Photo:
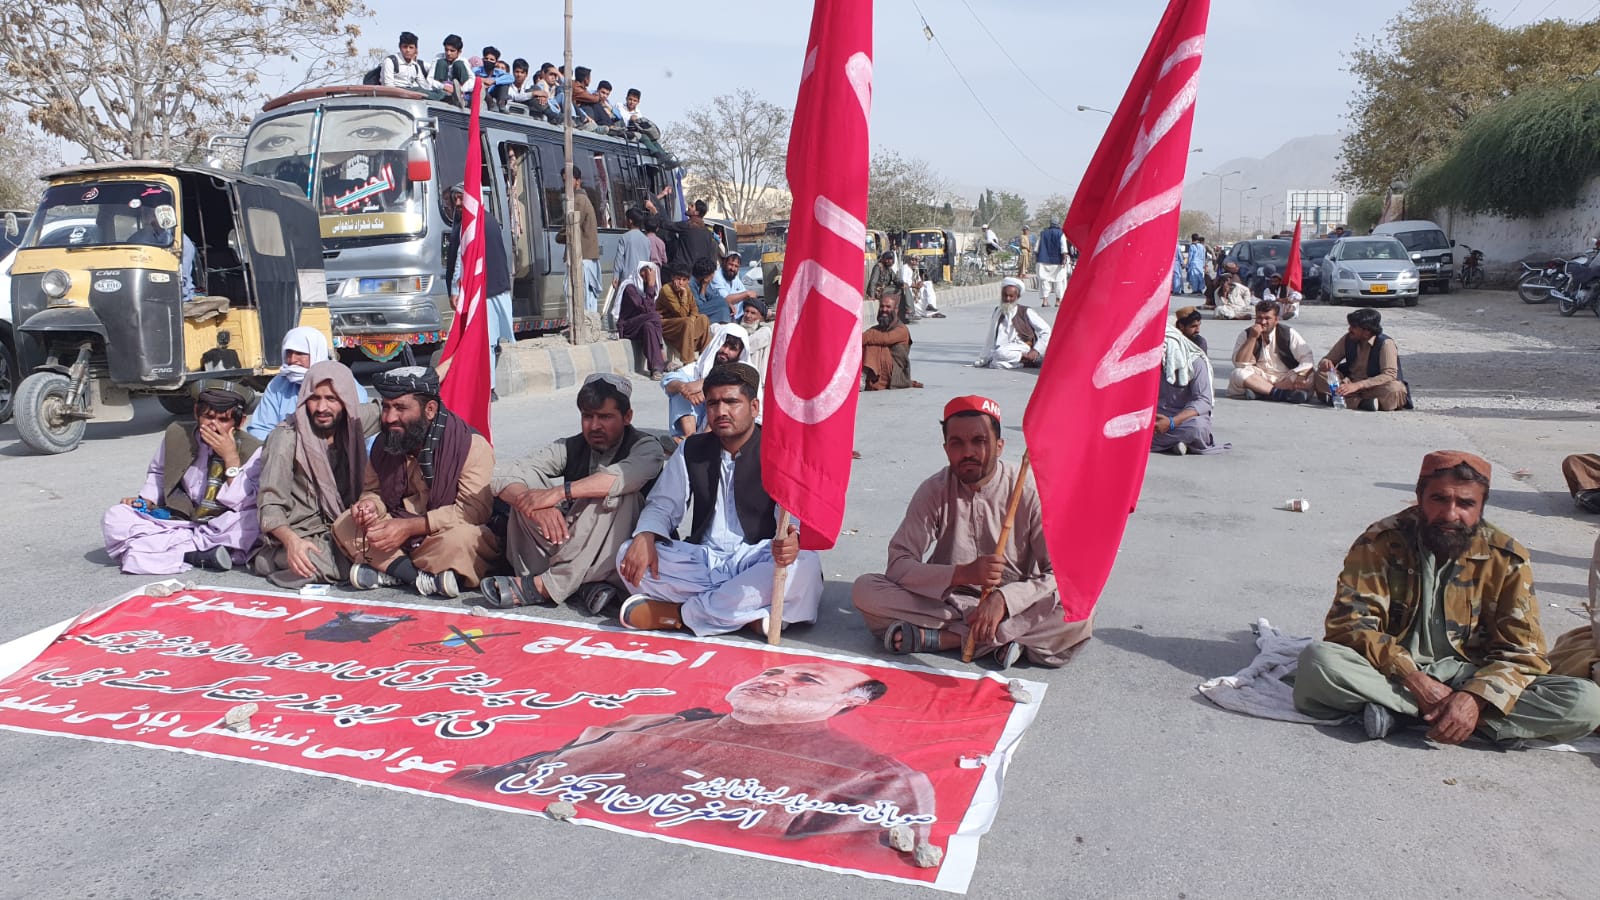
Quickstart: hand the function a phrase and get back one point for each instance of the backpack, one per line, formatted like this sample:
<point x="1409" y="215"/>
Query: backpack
<point x="375" y="74"/>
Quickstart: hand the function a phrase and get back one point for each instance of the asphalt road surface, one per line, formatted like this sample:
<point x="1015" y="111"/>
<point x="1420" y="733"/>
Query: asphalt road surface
<point x="1129" y="785"/>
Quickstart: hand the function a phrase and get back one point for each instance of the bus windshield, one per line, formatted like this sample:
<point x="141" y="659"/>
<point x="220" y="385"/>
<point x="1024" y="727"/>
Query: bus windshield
<point x="357" y="158"/>
<point x="103" y="214"/>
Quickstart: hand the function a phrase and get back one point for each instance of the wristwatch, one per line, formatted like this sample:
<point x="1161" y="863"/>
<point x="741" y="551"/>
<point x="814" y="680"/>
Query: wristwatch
<point x="232" y="471"/>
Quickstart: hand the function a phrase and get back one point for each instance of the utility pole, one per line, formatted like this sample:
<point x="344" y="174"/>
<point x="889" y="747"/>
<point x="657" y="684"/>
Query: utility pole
<point x="577" y="293"/>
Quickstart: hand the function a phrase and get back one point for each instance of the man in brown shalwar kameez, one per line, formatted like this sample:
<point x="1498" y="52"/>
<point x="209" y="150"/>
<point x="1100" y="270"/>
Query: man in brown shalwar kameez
<point x="886" y="348"/>
<point x="574" y="503"/>
<point x="313" y="466"/>
<point x="425" y="504"/>
<point x="683" y="326"/>
<point x="928" y="602"/>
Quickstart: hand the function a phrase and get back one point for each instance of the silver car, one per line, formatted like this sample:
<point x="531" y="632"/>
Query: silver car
<point x="1368" y="270"/>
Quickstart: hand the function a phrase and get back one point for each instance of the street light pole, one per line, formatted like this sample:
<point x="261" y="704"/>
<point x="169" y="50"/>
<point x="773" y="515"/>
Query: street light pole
<point x="1221" y="177"/>
<point x="1082" y="108"/>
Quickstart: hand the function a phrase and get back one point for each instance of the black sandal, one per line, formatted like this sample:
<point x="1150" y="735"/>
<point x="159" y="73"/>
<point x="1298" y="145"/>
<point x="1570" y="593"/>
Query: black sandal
<point x="509" y="592"/>
<point x="913" y="638"/>
<point x="596" y="596"/>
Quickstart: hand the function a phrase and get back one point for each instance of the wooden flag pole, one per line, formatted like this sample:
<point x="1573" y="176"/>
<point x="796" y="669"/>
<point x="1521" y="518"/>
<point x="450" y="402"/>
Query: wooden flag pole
<point x="970" y="644"/>
<point x="780" y="576"/>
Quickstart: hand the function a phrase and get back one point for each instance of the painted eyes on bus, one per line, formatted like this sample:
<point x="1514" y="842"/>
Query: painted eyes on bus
<point x="373" y="134"/>
<point x="273" y="142"/>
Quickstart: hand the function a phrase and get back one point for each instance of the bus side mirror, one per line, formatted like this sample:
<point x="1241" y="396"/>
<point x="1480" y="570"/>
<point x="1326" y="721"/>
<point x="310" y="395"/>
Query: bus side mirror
<point x="418" y="169"/>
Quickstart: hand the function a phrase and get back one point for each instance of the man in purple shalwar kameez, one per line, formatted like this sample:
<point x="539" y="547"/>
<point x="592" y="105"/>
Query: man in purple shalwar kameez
<point x="1183" y="405"/>
<point x="198" y="504"/>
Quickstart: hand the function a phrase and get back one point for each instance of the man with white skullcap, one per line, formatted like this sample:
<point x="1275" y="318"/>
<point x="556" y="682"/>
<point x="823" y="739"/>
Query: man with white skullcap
<point x="1017" y="335"/>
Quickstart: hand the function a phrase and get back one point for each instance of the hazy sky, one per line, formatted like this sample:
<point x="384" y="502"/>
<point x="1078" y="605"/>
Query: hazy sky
<point x="1273" y="69"/>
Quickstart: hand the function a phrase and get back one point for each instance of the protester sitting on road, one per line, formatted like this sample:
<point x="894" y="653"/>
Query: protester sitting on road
<point x="685" y="387"/>
<point x="1577" y="652"/>
<point x="718" y="578"/>
<point x="574" y="502"/>
<point x="197" y="508"/>
<point x="923" y="299"/>
<point x="1271" y="361"/>
<point x="1017" y="335"/>
<point x="639" y="321"/>
<point x="886" y="348"/>
<point x="1187" y="320"/>
<point x="1184" y="404"/>
<point x="1233" y="298"/>
<point x="1435" y="617"/>
<point x="884" y="275"/>
<point x="945" y="553"/>
<point x="683" y="326"/>
<point x="312" y="470"/>
<point x="303" y="347"/>
<point x="1582" y="471"/>
<point x="753" y="316"/>
<point x="1368" y="363"/>
<point x="728" y="288"/>
<point x="405" y="71"/>
<point x="1269" y="286"/>
<point x="422" y="519"/>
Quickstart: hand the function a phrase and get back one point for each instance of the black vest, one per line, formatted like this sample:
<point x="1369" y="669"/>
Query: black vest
<point x="1373" y="364"/>
<point x="579" y="453"/>
<point x="758" y="513"/>
<point x="1285" y="350"/>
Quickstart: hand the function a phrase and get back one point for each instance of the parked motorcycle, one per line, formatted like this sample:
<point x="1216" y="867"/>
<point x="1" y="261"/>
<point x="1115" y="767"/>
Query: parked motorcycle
<point x="1579" y="288"/>
<point x="1537" y="282"/>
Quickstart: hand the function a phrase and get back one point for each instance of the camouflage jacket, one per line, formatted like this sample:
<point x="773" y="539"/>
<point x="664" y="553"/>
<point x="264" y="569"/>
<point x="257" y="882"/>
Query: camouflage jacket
<point x="1491" y="614"/>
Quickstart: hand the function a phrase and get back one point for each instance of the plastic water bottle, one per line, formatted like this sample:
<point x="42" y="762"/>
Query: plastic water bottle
<point x="1333" y="389"/>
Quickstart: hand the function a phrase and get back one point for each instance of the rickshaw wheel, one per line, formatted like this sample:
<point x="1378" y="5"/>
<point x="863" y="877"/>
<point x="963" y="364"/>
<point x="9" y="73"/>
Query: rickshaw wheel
<point x="40" y="401"/>
<point x="8" y="382"/>
<point x="177" y="404"/>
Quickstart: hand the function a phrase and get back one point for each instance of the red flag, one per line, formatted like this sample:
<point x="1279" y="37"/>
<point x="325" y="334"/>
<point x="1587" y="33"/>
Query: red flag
<point x="809" y="404"/>
<point x="1088" y="423"/>
<point x="465" y="390"/>
<point x="1292" y="277"/>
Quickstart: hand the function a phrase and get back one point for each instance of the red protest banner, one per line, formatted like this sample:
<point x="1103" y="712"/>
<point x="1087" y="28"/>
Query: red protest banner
<point x="793" y="756"/>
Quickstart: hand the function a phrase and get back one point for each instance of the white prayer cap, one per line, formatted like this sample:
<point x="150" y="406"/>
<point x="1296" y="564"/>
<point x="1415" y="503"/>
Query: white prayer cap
<point x="1012" y="282"/>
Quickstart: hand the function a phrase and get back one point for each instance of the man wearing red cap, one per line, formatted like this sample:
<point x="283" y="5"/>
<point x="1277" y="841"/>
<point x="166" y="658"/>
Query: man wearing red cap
<point x="1435" y="618"/>
<point x="928" y="601"/>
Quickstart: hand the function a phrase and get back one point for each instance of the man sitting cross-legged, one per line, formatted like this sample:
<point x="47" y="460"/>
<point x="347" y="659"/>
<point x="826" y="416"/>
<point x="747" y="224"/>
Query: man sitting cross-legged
<point x="886" y="348"/>
<point x="313" y="466"/>
<point x="424" y="508"/>
<point x="574" y="502"/>
<point x="1271" y="361"/>
<point x="929" y="600"/>
<point x="718" y="577"/>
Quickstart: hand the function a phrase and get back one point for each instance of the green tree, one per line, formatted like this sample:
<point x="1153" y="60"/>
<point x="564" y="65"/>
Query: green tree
<point x="1055" y="207"/>
<point x="1439" y="63"/>
<point x="1365" y="211"/>
<point x="147" y="78"/>
<point x="905" y="193"/>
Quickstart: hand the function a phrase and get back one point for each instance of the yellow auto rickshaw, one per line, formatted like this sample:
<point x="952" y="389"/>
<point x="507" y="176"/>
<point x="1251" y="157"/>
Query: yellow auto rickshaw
<point x="933" y="251"/>
<point x="774" y="242"/>
<point x="137" y="278"/>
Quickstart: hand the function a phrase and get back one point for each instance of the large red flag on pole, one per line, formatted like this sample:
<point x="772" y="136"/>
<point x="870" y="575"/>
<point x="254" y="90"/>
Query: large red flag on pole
<point x="1088" y="423"/>
<point x="809" y="404"/>
<point x="1292" y="277"/>
<point x="465" y="390"/>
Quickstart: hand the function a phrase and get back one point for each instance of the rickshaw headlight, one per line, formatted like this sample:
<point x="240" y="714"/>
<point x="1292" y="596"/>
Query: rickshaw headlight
<point x="56" y="283"/>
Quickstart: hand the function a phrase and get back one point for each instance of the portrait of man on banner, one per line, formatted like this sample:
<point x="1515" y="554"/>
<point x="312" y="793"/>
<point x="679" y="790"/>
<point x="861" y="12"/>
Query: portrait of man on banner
<point x="773" y="760"/>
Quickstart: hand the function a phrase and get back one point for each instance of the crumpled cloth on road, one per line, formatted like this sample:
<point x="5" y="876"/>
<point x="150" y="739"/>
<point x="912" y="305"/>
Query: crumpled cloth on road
<point x="1260" y="690"/>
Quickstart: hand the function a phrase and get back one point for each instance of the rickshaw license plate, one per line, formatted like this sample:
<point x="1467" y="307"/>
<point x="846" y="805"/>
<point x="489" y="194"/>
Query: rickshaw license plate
<point x="1380" y="289"/>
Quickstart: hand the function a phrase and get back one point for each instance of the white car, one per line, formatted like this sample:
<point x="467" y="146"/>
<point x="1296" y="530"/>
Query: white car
<point x="1370" y="270"/>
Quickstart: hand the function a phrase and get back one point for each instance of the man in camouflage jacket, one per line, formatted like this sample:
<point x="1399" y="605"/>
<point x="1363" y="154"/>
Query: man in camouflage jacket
<point x="1435" y="617"/>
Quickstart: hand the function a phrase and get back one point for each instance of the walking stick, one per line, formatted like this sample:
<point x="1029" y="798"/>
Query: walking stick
<point x="780" y="575"/>
<point x="970" y="644"/>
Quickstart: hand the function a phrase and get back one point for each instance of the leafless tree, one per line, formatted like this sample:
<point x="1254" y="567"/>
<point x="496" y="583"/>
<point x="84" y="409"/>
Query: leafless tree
<point x="905" y="193"/>
<point x="148" y="79"/>
<point x="735" y="149"/>
<point x="25" y="154"/>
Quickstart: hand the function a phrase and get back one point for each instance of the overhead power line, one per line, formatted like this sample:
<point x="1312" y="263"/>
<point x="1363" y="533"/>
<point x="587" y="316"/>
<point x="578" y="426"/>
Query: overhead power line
<point x="1014" y="63"/>
<point x="927" y="31"/>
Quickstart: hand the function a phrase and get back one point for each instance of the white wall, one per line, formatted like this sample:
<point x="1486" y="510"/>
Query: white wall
<point x="1505" y="241"/>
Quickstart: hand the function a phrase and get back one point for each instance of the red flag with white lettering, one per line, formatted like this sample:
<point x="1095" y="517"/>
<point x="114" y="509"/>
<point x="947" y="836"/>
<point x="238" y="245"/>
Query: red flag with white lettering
<point x="1292" y="277"/>
<point x="809" y="404"/>
<point x="1088" y="422"/>
<point x="466" y="386"/>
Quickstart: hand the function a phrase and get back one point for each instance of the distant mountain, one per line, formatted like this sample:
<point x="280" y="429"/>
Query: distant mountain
<point x="1304" y="163"/>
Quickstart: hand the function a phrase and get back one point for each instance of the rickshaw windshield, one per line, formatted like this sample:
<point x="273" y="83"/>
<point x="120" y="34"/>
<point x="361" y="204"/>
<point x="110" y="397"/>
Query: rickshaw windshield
<point x="774" y="241"/>
<point x="358" y="157"/>
<point x="104" y="214"/>
<point x="924" y="240"/>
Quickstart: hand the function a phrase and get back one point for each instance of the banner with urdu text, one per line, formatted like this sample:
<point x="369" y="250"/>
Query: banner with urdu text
<point x="734" y="745"/>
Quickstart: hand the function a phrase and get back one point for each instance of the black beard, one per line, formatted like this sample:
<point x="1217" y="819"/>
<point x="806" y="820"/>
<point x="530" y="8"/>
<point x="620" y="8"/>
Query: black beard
<point x="328" y="432"/>
<point x="885" y="319"/>
<point x="408" y="440"/>
<point x="1447" y="542"/>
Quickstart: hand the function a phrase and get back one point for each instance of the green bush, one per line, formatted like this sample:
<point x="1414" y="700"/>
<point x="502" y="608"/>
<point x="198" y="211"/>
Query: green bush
<point x="1523" y="157"/>
<point x="1364" y="213"/>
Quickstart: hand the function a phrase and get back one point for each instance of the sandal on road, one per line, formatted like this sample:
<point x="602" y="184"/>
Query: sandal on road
<point x="509" y="592"/>
<point x="912" y="638"/>
<point x="1006" y="655"/>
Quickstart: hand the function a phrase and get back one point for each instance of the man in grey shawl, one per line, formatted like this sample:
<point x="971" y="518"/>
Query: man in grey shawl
<point x="313" y="466"/>
<point x="1183" y="404"/>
